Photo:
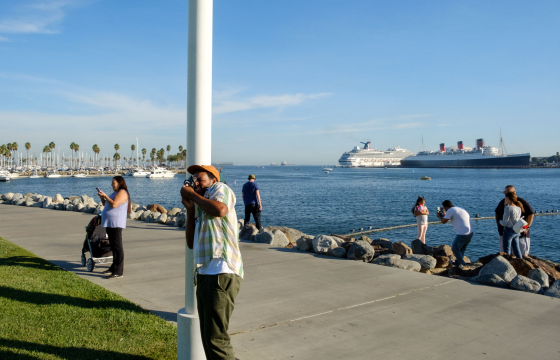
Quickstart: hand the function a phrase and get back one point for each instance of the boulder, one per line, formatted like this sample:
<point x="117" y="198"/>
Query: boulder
<point x="18" y="196"/>
<point x="171" y="220"/>
<point x="90" y="209"/>
<point x="157" y="207"/>
<point x="551" y="271"/>
<point x="382" y="259"/>
<point x="34" y="197"/>
<point x="401" y="248"/>
<point x="7" y="196"/>
<point x="174" y="211"/>
<point x="21" y="202"/>
<point x="130" y="216"/>
<point x="85" y="198"/>
<point x="152" y="217"/>
<point x="248" y="231"/>
<point x="66" y="202"/>
<point x="521" y="266"/>
<point x="280" y="239"/>
<point x="47" y="201"/>
<point x="385" y="244"/>
<point x="489" y="279"/>
<point x="322" y="243"/>
<point x="134" y="206"/>
<point x="37" y="204"/>
<point x="427" y="262"/>
<point x="145" y="214"/>
<point x="442" y="262"/>
<point x="444" y="250"/>
<point x="76" y="201"/>
<point x="72" y="198"/>
<point x="265" y="237"/>
<point x="539" y="276"/>
<point x="344" y="237"/>
<point x="58" y="207"/>
<point x="523" y="283"/>
<point x="404" y="264"/>
<point x="181" y="219"/>
<point x="501" y="267"/>
<point x="292" y="234"/>
<point x="162" y="219"/>
<point x="361" y="250"/>
<point x="58" y="199"/>
<point x="365" y="238"/>
<point x="338" y="252"/>
<point x="435" y="271"/>
<point x="554" y="290"/>
<point x="305" y="243"/>
<point x="347" y="244"/>
<point x="418" y="247"/>
<point x="79" y="208"/>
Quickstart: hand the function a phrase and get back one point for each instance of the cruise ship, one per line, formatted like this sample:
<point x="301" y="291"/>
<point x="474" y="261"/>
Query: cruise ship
<point x="464" y="157"/>
<point x="368" y="157"/>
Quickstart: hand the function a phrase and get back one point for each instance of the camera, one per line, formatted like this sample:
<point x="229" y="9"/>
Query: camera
<point x="440" y="211"/>
<point x="190" y="182"/>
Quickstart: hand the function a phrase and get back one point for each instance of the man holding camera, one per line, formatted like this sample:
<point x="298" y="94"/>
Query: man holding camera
<point x="211" y="232"/>
<point x="461" y="221"/>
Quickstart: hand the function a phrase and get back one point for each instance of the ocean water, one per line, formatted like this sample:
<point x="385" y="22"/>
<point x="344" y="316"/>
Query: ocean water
<point x="345" y="199"/>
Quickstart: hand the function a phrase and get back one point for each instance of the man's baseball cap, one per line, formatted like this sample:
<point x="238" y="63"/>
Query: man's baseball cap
<point x="252" y="176"/>
<point x="193" y="169"/>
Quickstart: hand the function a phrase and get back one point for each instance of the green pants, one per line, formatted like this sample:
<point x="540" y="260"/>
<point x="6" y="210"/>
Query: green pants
<point x="215" y="297"/>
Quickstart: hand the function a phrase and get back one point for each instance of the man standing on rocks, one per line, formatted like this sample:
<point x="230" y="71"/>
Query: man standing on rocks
<point x="528" y="214"/>
<point x="212" y="230"/>
<point x="252" y="200"/>
<point x="461" y="221"/>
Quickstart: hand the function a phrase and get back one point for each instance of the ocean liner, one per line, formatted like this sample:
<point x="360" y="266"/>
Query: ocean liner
<point x="368" y="157"/>
<point x="463" y="157"/>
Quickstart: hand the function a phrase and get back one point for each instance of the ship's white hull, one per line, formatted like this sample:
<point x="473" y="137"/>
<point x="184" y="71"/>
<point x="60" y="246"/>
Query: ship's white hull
<point x="161" y="176"/>
<point x="140" y="174"/>
<point x="373" y="157"/>
<point x="5" y="178"/>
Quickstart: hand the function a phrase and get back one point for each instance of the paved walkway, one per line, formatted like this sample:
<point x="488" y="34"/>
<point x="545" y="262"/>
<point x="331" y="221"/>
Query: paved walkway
<point x="295" y="305"/>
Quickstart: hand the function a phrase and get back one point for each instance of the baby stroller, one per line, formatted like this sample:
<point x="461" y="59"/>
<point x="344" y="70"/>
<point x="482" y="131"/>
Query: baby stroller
<point x="96" y="243"/>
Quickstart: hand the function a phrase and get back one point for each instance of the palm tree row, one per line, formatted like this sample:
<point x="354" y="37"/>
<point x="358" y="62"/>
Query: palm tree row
<point x="7" y="152"/>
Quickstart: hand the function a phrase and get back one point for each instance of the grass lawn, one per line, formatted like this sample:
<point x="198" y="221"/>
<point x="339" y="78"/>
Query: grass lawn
<point x="50" y="313"/>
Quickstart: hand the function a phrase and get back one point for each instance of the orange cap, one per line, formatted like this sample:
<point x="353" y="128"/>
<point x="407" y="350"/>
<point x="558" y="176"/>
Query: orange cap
<point x="196" y="168"/>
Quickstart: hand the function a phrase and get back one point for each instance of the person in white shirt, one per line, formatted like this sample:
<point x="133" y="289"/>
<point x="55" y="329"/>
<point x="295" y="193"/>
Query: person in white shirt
<point x="461" y="221"/>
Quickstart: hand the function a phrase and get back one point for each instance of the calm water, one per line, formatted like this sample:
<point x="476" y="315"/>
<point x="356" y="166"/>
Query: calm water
<point x="318" y="203"/>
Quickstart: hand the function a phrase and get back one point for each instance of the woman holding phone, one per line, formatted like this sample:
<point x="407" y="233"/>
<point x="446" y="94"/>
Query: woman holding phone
<point x="115" y="211"/>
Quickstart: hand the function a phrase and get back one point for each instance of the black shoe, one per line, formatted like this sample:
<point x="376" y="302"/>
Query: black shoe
<point x="108" y="271"/>
<point x="113" y="276"/>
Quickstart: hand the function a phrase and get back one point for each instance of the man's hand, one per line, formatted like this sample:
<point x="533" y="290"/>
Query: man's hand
<point x="187" y="193"/>
<point x="260" y="207"/>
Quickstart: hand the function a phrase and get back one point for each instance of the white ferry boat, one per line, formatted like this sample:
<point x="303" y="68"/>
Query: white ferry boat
<point x="138" y="172"/>
<point x="368" y="157"/>
<point x="160" y="173"/>
<point x="461" y="157"/>
<point x="53" y="174"/>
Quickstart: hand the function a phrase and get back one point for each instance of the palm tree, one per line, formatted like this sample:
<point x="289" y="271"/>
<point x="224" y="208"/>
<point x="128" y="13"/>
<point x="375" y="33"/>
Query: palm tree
<point x="95" y="149"/>
<point x="117" y="157"/>
<point x="132" y="147"/>
<point x="144" y="151"/>
<point x="52" y="146"/>
<point x="27" y="147"/>
<point x="76" y="149"/>
<point x="8" y="148"/>
<point x="46" y="150"/>
<point x="2" y="152"/>
<point x="153" y="155"/>
<point x="72" y="147"/>
<point x="117" y="147"/>
<point x="14" y="146"/>
<point x="168" y="150"/>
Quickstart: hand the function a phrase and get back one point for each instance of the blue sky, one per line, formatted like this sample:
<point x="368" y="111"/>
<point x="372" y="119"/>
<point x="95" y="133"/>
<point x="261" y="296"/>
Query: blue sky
<point x="300" y="81"/>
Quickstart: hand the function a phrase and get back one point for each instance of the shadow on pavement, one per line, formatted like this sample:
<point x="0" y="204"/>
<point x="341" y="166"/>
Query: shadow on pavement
<point x="69" y="353"/>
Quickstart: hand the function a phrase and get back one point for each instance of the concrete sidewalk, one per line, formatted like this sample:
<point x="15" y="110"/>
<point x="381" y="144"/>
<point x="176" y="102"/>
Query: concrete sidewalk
<point x="295" y="305"/>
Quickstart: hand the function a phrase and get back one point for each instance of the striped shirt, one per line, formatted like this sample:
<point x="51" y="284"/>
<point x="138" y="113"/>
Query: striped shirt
<point x="218" y="237"/>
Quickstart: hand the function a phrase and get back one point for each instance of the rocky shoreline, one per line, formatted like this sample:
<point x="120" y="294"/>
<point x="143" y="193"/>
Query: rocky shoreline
<point x="530" y="274"/>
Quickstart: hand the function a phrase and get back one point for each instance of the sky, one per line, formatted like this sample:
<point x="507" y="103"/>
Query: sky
<point x="297" y="81"/>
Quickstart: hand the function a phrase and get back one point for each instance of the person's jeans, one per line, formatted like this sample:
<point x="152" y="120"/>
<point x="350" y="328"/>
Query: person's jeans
<point x="253" y="209"/>
<point x="459" y="246"/>
<point x="511" y="242"/>
<point x="215" y="297"/>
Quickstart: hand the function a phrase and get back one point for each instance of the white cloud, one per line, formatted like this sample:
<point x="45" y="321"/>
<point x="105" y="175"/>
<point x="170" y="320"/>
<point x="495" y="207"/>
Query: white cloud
<point x="224" y="102"/>
<point x="3" y="39"/>
<point x="35" y="18"/>
<point x="377" y="124"/>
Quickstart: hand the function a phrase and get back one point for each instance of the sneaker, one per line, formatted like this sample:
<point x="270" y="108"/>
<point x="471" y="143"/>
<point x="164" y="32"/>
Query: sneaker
<point x="113" y="276"/>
